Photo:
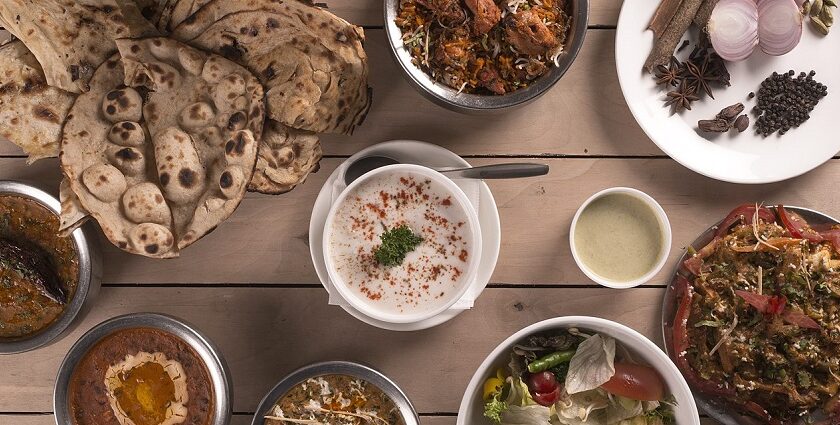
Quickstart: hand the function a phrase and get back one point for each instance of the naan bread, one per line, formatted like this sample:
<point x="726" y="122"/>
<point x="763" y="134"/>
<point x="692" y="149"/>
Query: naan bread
<point x="286" y="157"/>
<point x="31" y="112"/>
<point x="157" y="12"/>
<point x="71" y="38"/>
<point x="311" y="62"/>
<point x="183" y="10"/>
<point x="162" y="162"/>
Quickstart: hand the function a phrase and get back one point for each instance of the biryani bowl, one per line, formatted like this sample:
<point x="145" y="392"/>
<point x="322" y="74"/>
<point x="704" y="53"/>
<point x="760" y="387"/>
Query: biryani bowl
<point x="454" y="99"/>
<point x="438" y="294"/>
<point x="87" y="282"/>
<point x="644" y="351"/>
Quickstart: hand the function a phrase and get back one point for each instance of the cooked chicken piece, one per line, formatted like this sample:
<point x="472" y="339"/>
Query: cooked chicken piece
<point x="485" y="15"/>
<point x="489" y="79"/>
<point x="527" y="32"/>
<point x="448" y="12"/>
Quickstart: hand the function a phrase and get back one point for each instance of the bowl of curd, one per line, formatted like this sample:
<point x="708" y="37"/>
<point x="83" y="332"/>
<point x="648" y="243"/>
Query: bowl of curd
<point x="402" y="243"/>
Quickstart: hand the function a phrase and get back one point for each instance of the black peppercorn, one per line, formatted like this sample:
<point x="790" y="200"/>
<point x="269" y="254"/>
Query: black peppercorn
<point x="784" y="101"/>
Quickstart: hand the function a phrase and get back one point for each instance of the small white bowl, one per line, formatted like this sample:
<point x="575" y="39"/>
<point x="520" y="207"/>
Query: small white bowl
<point x="460" y="199"/>
<point x="664" y="227"/>
<point x="645" y="352"/>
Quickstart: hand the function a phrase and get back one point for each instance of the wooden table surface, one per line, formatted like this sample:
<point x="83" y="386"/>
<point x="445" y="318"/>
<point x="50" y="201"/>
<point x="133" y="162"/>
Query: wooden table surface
<point x="251" y="287"/>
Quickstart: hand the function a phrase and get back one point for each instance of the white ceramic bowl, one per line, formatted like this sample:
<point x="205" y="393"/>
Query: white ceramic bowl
<point x="460" y="199"/>
<point x="643" y="350"/>
<point x="664" y="226"/>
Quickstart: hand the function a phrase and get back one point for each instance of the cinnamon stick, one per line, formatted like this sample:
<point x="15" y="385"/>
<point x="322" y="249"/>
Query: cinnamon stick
<point x="666" y="43"/>
<point x="664" y="15"/>
<point x="704" y="13"/>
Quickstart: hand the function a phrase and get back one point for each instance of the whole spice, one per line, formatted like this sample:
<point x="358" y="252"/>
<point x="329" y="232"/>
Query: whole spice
<point x="670" y="75"/>
<point x="681" y="97"/>
<point x="703" y="14"/>
<point x="396" y="244"/>
<point x="725" y="120"/>
<point x="716" y="125"/>
<point x="784" y="102"/>
<point x="741" y="123"/>
<point x="731" y="112"/>
<point x="666" y="40"/>
<point x="820" y="13"/>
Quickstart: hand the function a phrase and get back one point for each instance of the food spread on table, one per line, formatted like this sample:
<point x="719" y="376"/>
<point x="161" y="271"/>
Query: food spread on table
<point x="402" y="242"/>
<point x="164" y="114"/>
<point x="487" y="47"/>
<point x="755" y="327"/>
<point x="575" y="377"/>
<point x="335" y="399"/>
<point x="39" y="270"/>
<point x="141" y="376"/>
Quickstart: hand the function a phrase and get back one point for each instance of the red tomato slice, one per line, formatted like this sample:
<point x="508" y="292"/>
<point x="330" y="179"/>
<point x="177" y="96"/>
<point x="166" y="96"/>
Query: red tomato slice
<point x="636" y="382"/>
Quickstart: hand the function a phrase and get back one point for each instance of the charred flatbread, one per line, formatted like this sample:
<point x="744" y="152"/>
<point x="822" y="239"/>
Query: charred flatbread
<point x="31" y="112"/>
<point x="286" y="157"/>
<point x="71" y="38"/>
<point x="161" y="150"/>
<point x="312" y="63"/>
<point x="157" y="12"/>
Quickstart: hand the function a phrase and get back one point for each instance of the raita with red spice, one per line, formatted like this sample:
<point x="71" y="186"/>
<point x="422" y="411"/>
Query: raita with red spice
<point x="432" y="272"/>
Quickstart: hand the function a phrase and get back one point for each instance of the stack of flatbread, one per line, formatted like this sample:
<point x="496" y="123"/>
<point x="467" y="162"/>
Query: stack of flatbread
<point x="165" y="112"/>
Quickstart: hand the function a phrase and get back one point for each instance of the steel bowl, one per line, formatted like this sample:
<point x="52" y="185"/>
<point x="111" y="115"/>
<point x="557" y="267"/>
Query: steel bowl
<point x="713" y="407"/>
<point x="208" y="352"/>
<point x="338" y="368"/>
<point x="449" y="98"/>
<point x="89" y="279"/>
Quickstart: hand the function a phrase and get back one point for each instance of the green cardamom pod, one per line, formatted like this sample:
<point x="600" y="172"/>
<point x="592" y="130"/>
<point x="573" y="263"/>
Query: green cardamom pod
<point x="817" y="7"/>
<point x="819" y="25"/>
<point x="806" y="8"/>
<point x="831" y="3"/>
<point x="827" y="17"/>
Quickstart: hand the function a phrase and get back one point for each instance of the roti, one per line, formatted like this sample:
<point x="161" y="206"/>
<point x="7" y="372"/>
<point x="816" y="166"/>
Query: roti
<point x="157" y="12"/>
<point x="285" y="158"/>
<point x="312" y="63"/>
<point x="161" y="149"/>
<point x="71" y="38"/>
<point x="31" y="112"/>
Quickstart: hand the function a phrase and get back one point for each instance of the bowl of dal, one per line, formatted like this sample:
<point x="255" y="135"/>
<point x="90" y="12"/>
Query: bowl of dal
<point x="620" y="237"/>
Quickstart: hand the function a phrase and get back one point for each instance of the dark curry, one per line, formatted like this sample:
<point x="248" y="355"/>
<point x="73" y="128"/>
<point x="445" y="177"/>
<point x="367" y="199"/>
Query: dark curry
<point x="146" y="375"/>
<point x="38" y="269"/>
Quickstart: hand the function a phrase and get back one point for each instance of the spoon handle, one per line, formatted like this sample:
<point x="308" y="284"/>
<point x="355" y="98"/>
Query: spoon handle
<point x="499" y="171"/>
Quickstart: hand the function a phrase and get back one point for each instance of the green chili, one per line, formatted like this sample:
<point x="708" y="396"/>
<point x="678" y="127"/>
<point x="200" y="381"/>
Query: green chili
<point x="550" y="361"/>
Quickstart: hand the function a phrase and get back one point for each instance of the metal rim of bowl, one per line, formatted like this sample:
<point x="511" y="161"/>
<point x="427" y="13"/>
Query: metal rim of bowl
<point x="716" y="410"/>
<point x="449" y="98"/>
<point x="89" y="279"/>
<point x="207" y="351"/>
<point x="356" y="370"/>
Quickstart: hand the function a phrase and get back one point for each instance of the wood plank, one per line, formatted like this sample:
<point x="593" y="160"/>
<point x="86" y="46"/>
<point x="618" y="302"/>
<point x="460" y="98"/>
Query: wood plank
<point x="369" y="12"/>
<point x="584" y="114"/>
<point x="265" y="333"/>
<point x="266" y="240"/>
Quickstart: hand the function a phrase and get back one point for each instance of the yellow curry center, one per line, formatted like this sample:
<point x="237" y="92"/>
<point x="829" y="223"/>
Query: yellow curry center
<point x="146" y="393"/>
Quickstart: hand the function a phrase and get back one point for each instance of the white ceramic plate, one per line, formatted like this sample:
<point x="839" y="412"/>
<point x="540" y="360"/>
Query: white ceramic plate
<point x="732" y="157"/>
<point x="430" y="155"/>
<point x="645" y="351"/>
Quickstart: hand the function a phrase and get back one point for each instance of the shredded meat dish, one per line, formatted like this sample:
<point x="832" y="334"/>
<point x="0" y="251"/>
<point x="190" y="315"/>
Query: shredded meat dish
<point x="489" y="47"/>
<point x="757" y="320"/>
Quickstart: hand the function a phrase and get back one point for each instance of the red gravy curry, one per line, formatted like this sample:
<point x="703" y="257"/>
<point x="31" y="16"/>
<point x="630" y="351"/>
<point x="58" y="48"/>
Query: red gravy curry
<point x="88" y="398"/>
<point x="24" y="309"/>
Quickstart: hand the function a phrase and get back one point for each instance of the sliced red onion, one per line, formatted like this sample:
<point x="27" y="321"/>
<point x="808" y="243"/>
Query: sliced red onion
<point x="733" y="29"/>
<point x="779" y="26"/>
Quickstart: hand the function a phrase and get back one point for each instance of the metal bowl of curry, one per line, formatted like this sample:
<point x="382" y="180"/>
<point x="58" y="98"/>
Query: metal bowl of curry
<point x="143" y="368"/>
<point x="336" y="392"/>
<point x="47" y="282"/>
<point x="484" y="56"/>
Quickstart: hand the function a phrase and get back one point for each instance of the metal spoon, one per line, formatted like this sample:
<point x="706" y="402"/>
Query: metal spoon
<point x="496" y="171"/>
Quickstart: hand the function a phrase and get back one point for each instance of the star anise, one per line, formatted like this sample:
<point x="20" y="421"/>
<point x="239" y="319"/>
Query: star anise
<point x="699" y="76"/>
<point x="670" y="75"/>
<point x="681" y="97"/>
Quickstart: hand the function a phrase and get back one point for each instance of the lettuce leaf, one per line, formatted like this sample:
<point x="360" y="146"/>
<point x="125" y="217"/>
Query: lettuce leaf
<point x="592" y="364"/>
<point x="527" y="415"/>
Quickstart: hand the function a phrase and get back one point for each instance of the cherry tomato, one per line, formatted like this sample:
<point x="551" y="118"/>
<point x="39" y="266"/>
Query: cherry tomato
<point x="544" y="388"/>
<point x="636" y="382"/>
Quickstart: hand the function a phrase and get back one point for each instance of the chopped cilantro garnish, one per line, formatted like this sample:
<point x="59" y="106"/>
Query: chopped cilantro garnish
<point x="396" y="244"/>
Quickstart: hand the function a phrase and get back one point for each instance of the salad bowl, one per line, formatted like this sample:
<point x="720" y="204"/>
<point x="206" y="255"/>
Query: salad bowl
<point x="631" y="347"/>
